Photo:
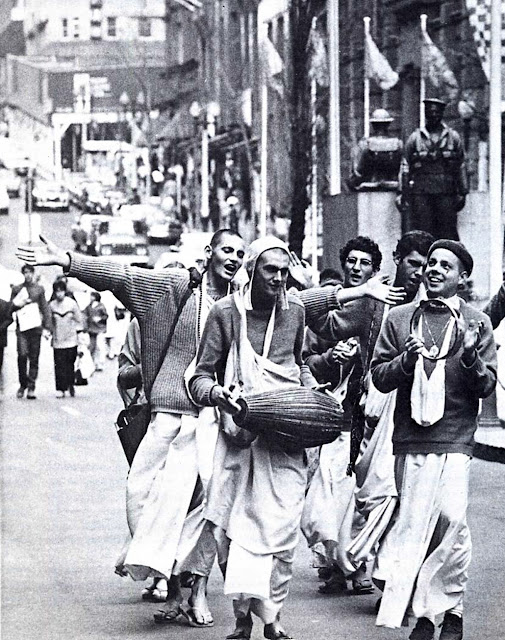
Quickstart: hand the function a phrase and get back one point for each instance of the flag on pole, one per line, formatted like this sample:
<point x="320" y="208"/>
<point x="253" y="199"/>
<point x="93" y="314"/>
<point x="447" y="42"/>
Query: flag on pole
<point x="479" y="16"/>
<point x="435" y="67"/>
<point x="319" y="58"/>
<point x="191" y="5"/>
<point x="271" y="64"/>
<point x="377" y="67"/>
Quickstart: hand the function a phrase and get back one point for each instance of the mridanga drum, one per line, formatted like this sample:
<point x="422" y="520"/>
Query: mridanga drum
<point x="296" y="418"/>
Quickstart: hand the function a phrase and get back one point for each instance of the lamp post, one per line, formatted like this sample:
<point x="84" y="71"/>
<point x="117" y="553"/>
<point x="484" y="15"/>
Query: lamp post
<point x="207" y="115"/>
<point x="124" y="101"/>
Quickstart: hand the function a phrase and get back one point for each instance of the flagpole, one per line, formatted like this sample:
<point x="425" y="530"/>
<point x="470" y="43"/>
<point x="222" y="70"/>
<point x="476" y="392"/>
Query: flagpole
<point x="264" y="159"/>
<point x="314" y="205"/>
<point x="495" y="150"/>
<point x="334" y="137"/>
<point x="366" y="84"/>
<point x="422" y="85"/>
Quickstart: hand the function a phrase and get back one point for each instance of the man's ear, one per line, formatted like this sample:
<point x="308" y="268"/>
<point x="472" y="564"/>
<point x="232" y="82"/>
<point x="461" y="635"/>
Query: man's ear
<point x="463" y="277"/>
<point x="208" y="253"/>
<point x="396" y="258"/>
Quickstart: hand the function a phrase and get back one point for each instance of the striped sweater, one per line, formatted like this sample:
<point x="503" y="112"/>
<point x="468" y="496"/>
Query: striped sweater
<point x="153" y="297"/>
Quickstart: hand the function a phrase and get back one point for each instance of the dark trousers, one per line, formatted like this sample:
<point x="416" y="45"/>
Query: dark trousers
<point x="435" y="213"/>
<point x="64" y="362"/>
<point x="28" y="357"/>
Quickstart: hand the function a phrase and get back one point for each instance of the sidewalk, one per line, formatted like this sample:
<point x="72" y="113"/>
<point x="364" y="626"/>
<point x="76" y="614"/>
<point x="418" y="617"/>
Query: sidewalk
<point x="490" y="444"/>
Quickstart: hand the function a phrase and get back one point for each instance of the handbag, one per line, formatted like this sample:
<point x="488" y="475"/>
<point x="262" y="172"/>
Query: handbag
<point x="132" y="422"/>
<point x="131" y="425"/>
<point x="84" y="366"/>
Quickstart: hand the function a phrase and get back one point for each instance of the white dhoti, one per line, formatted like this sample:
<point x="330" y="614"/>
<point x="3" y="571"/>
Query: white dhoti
<point x="329" y="517"/>
<point x="256" y="494"/>
<point x="161" y="484"/>
<point x="430" y="538"/>
<point x="376" y="495"/>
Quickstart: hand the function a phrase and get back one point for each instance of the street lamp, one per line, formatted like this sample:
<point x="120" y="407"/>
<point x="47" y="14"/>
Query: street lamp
<point x="210" y="113"/>
<point x="124" y="101"/>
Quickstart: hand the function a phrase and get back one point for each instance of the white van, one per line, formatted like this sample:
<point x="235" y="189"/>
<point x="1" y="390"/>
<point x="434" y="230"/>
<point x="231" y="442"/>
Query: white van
<point x="4" y="199"/>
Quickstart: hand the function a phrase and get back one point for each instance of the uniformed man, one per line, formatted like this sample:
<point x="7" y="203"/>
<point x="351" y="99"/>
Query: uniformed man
<point x="377" y="158"/>
<point x="433" y="179"/>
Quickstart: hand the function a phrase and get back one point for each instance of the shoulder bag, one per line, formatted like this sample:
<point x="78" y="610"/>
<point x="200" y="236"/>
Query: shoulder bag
<point x="132" y="422"/>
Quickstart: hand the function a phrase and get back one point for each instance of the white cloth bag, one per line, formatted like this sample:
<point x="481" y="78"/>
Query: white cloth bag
<point x="427" y="398"/>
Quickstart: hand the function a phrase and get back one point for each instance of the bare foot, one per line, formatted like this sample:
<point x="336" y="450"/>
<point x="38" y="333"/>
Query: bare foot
<point x="174" y="597"/>
<point x="200" y="611"/>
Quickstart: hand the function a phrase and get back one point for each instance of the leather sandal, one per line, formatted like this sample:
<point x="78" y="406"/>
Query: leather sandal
<point x="271" y="633"/>
<point x="361" y="583"/>
<point x="169" y="615"/>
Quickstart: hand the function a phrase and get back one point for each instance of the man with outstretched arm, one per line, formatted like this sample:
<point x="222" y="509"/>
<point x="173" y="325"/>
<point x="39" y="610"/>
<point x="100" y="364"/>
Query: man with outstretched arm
<point x="166" y="469"/>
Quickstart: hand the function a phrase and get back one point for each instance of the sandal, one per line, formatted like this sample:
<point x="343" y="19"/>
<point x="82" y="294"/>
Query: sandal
<point x="275" y="634"/>
<point x="170" y="615"/>
<point x="155" y="593"/>
<point x="335" y="584"/>
<point x="191" y="615"/>
<point x="361" y="583"/>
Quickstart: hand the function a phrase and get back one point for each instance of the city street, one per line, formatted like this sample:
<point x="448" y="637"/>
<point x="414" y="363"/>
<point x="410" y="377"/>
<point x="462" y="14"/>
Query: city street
<point x="63" y="520"/>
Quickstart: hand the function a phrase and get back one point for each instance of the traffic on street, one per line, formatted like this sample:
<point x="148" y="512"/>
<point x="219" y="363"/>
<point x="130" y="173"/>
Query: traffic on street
<point x="252" y="304"/>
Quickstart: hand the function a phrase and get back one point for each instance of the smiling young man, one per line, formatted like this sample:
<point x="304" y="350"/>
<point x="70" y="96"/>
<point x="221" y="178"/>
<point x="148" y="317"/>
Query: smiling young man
<point x="434" y="422"/>
<point x="164" y="473"/>
<point x="329" y="516"/>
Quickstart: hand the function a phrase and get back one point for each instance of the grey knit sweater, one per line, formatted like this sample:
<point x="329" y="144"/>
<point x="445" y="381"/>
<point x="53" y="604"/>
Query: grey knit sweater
<point x="153" y="297"/>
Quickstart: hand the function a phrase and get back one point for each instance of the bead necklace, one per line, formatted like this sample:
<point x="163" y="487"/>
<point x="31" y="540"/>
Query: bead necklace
<point x="435" y="349"/>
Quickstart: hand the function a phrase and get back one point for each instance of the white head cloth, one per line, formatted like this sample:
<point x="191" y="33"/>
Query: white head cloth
<point x="255" y="250"/>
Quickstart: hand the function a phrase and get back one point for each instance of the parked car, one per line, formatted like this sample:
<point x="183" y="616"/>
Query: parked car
<point x="4" y="199"/>
<point x="49" y="194"/>
<point x="12" y="181"/>
<point x="15" y="158"/>
<point x="119" y="242"/>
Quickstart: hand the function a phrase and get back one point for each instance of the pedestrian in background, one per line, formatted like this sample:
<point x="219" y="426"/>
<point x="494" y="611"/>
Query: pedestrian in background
<point x="66" y="322"/>
<point x="6" y="309"/>
<point x="96" y="325"/>
<point x="31" y="319"/>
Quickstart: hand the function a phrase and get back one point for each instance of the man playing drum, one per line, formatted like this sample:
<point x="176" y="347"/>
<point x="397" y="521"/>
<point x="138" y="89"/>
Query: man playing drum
<point x="256" y="495"/>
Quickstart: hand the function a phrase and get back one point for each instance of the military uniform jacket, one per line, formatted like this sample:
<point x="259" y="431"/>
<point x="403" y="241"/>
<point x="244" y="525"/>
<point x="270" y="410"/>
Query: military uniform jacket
<point x="434" y="165"/>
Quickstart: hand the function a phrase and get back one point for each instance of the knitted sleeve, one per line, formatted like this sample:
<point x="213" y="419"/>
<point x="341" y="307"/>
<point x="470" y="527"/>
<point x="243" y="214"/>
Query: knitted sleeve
<point x="137" y="288"/>
<point x="495" y="308"/>
<point x="481" y="374"/>
<point x="387" y="362"/>
<point x="212" y="355"/>
<point x="352" y="320"/>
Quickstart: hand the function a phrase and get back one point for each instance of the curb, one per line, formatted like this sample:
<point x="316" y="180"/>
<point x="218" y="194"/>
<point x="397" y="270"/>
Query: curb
<point x="489" y="452"/>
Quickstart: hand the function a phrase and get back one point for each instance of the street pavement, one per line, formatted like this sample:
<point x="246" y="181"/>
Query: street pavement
<point x="63" y="526"/>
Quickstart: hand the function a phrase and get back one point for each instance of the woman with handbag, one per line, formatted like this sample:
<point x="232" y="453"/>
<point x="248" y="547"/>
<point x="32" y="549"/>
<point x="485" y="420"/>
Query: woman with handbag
<point x="66" y="322"/>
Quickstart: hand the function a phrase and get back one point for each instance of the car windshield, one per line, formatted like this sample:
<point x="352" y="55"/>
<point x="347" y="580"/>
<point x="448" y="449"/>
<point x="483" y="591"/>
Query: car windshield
<point x="118" y="226"/>
<point x="49" y="186"/>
